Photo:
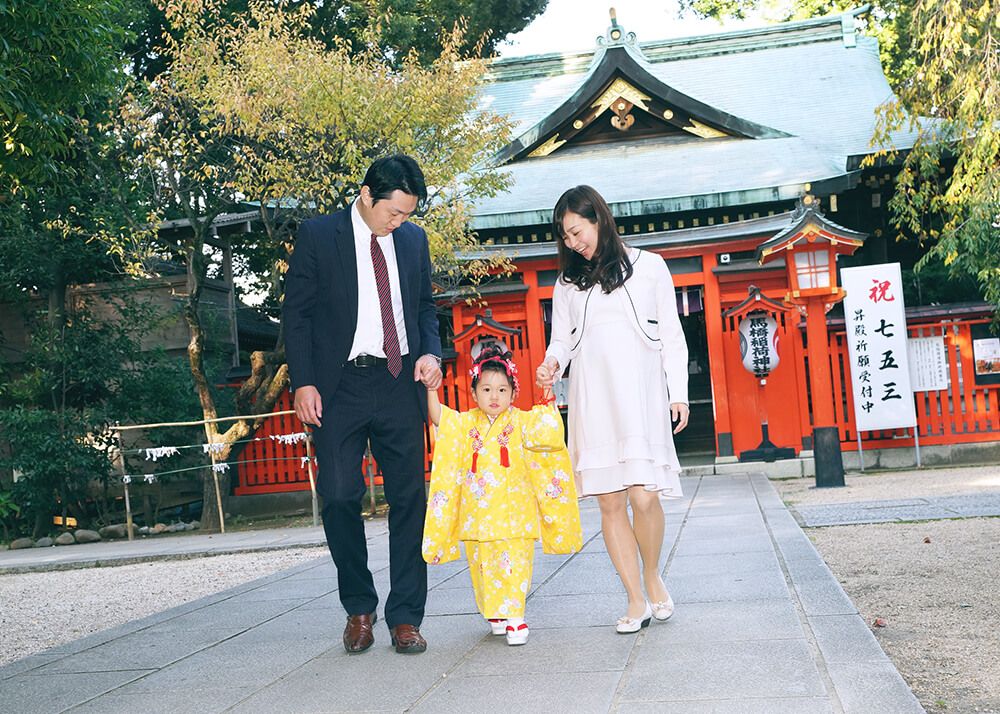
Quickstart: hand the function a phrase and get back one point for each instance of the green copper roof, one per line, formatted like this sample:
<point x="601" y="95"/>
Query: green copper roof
<point x="814" y="82"/>
<point x="763" y="228"/>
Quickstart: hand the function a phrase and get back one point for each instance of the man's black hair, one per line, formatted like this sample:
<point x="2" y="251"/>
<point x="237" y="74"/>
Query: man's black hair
<point x="395" y="173"/>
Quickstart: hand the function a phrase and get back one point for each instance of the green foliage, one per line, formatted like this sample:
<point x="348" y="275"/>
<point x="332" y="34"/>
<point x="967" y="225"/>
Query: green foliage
<point x="65" y="190"/>
<point x="65" y="193"/>
<point x="58" y="233"/>
<point x="56" y="59"/>
<point x="308" y="120"/>
<point x="76" y="379"/>
<point x="7" y="505"/>
<point x="56" y="459"/>
<point x="420" y="26"/>
<point x="948" y="189"/>
<point x="406" y="25"/>
<point x="935" y="284"/>
<point x="8" y="511"/>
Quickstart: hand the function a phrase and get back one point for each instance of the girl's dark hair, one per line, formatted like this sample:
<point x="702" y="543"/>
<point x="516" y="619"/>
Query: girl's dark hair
<point x="395" y="173"/>
<point x="487" y="361"/>
<point x="609" y="267"/>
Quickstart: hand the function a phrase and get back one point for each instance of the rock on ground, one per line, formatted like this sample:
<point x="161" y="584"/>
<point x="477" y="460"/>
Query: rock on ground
<point x="87" y="536"/>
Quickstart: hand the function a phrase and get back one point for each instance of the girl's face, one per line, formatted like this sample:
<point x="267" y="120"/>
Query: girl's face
<point x="579" y="234"/>
<point x="493" y="393"/>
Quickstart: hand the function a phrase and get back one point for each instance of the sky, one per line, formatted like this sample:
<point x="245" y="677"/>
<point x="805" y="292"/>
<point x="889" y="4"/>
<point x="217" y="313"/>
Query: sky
<point x="573" y="25"/>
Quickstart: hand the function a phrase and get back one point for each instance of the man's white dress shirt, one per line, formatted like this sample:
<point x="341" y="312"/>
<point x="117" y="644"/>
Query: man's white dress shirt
<point x="368" y="337"/>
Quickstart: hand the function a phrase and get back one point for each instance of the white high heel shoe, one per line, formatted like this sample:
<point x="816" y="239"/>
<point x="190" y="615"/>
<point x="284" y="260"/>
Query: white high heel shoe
<point x="627" y="625"/>
<point x="664" y="609"/>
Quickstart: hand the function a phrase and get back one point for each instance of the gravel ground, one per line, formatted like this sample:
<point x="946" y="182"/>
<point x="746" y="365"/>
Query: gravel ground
<point x="42" y="610"/>
<point x="893" y="485"/>
<point x="938" y="600"/>
<point x="933" y="583"/>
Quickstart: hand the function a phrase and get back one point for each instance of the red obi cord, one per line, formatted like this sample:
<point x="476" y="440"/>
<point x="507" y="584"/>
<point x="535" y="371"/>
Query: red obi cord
<point x="504" y="459"/>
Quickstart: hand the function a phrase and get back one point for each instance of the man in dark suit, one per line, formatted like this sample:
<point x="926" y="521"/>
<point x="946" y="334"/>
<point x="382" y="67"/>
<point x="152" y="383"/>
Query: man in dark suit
<point x="362" y="343"/>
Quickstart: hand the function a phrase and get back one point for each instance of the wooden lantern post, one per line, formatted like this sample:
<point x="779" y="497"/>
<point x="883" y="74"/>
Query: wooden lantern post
<point x="810" y="246"/>
<point x="758" y="308"/>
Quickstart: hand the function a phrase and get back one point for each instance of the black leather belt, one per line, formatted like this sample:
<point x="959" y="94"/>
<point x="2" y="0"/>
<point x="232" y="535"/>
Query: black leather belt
<point x="367" y="361"/>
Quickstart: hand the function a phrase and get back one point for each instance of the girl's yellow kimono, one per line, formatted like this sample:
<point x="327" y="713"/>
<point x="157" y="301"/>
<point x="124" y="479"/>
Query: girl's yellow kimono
<point x="499" y="487"/>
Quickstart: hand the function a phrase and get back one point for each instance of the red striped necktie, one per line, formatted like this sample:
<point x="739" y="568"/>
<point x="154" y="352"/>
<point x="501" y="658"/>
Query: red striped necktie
<point x="390" y="340"/>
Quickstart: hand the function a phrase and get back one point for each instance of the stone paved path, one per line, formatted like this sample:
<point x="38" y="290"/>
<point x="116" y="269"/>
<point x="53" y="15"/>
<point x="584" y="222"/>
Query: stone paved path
<point x="761" y="626"/>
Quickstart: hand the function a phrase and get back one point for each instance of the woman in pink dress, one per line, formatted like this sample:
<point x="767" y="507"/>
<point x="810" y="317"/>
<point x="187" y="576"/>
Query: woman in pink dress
<point x="614" y="316"/>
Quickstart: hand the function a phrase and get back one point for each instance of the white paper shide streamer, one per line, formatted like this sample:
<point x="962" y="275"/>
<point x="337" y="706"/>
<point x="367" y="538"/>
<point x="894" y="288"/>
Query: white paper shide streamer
<point x="289" y="439"/>
<point x="161" y="452"/>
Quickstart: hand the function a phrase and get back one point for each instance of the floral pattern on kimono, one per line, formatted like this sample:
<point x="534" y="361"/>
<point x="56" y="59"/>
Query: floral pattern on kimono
<point x="511" y="479"/>
<point x="501" y="575"/>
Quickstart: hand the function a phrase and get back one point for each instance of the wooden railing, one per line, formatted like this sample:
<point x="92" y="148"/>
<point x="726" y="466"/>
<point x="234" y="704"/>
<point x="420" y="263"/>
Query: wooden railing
<point x="148" y="473"/>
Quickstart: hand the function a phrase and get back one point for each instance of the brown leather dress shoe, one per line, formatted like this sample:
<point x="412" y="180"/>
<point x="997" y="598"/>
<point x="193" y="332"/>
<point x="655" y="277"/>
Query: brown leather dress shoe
<point x="358" y="634"/>
<point x="407" y="639"/>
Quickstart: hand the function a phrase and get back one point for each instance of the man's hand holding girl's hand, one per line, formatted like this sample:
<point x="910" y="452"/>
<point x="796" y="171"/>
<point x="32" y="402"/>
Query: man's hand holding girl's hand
<point x="428" y="370"/>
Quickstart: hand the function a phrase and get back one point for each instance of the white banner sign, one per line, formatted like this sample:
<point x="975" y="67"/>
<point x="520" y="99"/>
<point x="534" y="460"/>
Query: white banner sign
<point x="876" y="343"/>
<point x="928" y="363"/>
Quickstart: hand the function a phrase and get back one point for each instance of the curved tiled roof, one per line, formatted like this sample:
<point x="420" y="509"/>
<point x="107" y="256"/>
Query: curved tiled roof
<point x="816" y="83"/>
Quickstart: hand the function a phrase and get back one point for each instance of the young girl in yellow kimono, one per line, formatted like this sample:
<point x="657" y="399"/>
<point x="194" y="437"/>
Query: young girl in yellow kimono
<point x="501" y="478"/>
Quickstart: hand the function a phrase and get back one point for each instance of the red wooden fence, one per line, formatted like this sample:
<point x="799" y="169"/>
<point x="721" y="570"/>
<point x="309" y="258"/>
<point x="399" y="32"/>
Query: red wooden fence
<point x="268" y="466"/>
<point x="963" y="413"/>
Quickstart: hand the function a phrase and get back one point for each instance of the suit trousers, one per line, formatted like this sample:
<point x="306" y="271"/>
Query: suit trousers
<point x="370" y="406"/>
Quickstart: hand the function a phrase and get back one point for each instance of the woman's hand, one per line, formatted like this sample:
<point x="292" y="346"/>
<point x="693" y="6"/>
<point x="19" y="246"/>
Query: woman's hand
<point x="679" y="413"/>
<point x="545" y="375"/>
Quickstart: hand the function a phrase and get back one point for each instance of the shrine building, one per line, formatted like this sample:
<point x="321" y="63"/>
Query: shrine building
<point x="704" y="147"/>
<point x="725" y="154"/>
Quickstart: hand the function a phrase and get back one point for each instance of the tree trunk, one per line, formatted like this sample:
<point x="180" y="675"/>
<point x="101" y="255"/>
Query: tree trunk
<point x="258" y="395"/>
<point x="57" y="302"/>
<point x="41" y="526"/>
<point x="196" y="267"/>
<point x="210" y="509"/>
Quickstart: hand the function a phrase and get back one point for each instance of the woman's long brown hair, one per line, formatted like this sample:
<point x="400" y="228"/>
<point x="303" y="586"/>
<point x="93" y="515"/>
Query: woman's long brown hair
<point x="609" y="267"/>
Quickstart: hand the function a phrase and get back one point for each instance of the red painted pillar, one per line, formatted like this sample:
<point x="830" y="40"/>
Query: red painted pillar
<point x="534" y="320"/>
<point x="717" y="359"/>
<point x="461" y="391"/>
<point x="819" y="364"/>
